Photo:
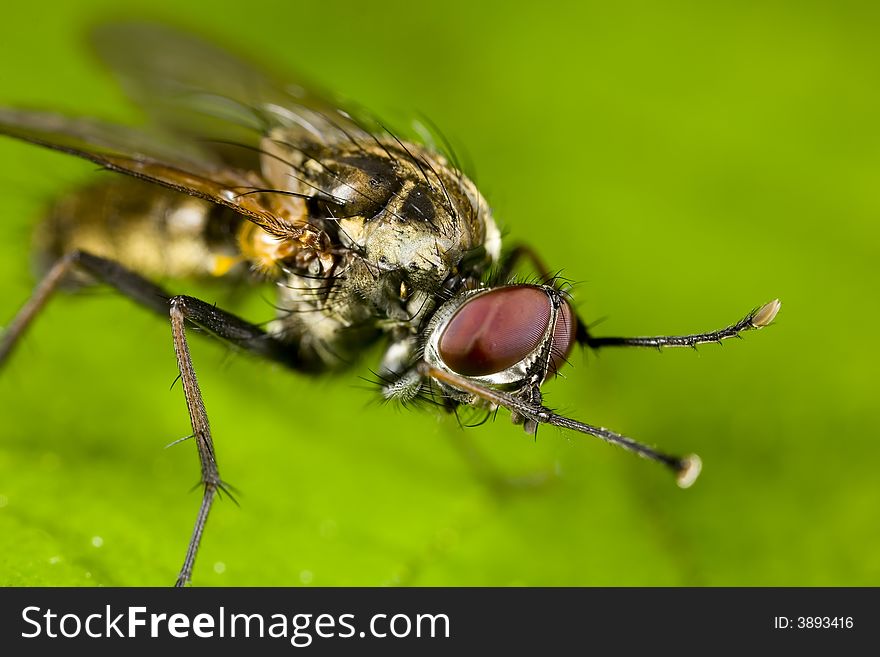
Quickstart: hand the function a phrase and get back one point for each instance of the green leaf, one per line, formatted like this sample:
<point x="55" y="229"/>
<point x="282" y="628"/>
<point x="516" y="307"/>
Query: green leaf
<point x="680" y="165"/>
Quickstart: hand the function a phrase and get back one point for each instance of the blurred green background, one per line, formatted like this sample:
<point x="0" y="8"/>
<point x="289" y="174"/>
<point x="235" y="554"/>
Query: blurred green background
<point x="682" y="162"/>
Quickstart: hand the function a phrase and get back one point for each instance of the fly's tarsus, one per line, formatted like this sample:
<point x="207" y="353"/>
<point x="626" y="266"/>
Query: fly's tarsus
<point x="689" y="469"/>
<point x="765" y="315"/>
<point x="686" y="469"/>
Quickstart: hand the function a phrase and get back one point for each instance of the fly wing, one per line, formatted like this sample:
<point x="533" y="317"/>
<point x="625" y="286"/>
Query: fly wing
<point x="147" y="156"/>
<point x="193" y="87"/>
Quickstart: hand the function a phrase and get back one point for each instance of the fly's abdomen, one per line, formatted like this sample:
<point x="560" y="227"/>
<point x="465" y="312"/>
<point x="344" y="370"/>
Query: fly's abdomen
<point x="156" y="232"/>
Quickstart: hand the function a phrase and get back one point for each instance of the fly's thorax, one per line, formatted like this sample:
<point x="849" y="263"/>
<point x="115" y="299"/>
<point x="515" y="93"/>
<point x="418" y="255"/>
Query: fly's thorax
<point x="398" y="208"/>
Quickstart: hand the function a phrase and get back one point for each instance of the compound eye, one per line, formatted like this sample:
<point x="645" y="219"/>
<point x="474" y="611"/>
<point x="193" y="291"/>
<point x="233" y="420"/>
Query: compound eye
<point x="493" y="331"/>
<point x="563" y="337"/>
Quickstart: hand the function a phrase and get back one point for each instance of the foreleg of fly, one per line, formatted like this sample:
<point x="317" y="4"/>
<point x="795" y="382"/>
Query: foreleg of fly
<point x="758" y="318"/>
<point x="512" y="259"/>
<point x="686" y="468"/>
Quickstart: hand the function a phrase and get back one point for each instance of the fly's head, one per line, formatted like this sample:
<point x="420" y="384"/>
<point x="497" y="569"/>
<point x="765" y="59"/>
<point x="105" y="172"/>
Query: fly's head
<point x="508" y="338"/>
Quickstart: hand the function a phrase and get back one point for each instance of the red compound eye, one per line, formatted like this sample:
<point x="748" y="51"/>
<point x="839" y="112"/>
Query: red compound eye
<point x="495" y="330"/>
<point x="563" y="337"/>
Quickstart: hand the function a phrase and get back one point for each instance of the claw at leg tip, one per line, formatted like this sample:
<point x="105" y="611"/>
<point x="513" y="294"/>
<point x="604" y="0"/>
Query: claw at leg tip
<point x="766" y="313"/>
<point x="689" y="470"/>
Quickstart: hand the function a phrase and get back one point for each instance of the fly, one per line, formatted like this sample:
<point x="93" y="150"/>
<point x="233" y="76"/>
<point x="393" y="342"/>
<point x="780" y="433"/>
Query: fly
<point x="242" y="176"/>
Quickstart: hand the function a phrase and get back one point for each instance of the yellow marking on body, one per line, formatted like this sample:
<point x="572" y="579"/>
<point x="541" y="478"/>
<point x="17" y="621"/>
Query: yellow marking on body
<point x="224" y="263"/>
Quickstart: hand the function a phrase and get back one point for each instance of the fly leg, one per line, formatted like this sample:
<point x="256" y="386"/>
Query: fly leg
<point x="139" y="289"/>
<point x="228" y="327"/>
<point x="520" y="252"/>
<point x="182" y="309"/>
<point x="756" y="319"/>
<point x="686" y="468"/>
<point x="238" y="332"/>
<point x="149" y="295"/>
